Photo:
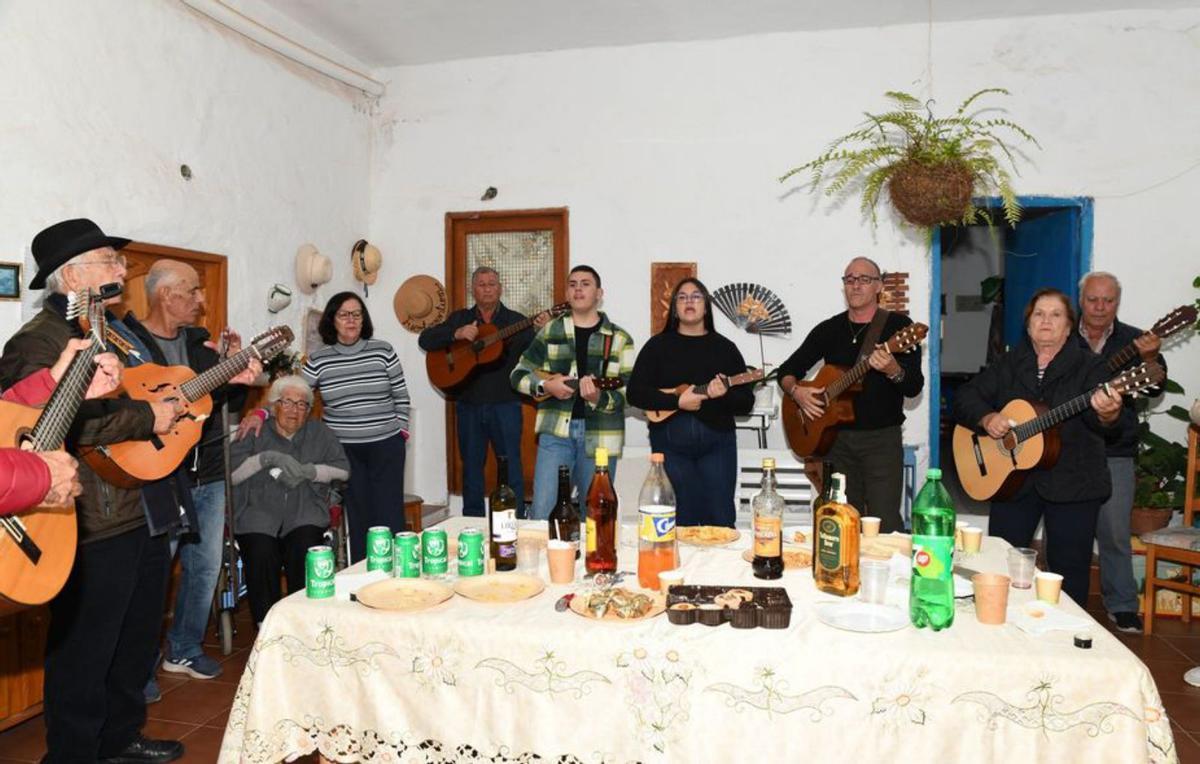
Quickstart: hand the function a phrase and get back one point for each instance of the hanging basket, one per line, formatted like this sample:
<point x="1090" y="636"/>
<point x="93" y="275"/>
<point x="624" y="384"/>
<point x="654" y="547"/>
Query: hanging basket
<point x="930" y="195"/>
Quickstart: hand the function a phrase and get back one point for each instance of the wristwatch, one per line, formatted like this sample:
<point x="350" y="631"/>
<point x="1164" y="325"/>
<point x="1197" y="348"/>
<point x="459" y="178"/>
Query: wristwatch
<point x="897" y="377"/>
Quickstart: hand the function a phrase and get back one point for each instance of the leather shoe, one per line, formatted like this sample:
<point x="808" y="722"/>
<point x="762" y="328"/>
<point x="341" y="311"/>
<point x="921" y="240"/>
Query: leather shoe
<point x="143" y="749"/>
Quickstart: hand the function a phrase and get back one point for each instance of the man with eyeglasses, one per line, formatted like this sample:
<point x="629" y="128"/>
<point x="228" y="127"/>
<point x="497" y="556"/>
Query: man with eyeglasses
<point x="869" y="450"/>
<point x="104" y="624"/>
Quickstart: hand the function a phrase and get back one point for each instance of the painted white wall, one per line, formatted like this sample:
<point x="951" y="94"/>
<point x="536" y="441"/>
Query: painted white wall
<point x="670" y="152"/>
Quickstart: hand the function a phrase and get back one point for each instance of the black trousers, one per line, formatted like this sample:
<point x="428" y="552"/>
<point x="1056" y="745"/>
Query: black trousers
<point x="104" y="628"/>
<point x="1070" y="527"/>
<point x="376" y="495"/>
<point x="873" y="463"/>
<point x="262" y="556"/>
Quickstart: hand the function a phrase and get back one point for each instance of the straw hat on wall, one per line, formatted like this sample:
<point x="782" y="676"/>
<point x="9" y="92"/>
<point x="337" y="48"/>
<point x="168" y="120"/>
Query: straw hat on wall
<point x="312" y="268"/>
<point x="420" y="302"/>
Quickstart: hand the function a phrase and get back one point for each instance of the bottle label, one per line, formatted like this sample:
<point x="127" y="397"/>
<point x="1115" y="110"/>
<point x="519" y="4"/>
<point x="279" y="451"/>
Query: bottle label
<point x="829" y="544"/>
<point x="768" y="536"/>
<point x="658" y="523"/>
<point x="504" y="525"/>
<point x="591" y="535"/>
<point x="932" y="556"/>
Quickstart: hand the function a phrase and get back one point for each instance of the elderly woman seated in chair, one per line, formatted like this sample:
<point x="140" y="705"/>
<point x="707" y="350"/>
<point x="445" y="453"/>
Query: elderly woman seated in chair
<point x="281" y="482"/>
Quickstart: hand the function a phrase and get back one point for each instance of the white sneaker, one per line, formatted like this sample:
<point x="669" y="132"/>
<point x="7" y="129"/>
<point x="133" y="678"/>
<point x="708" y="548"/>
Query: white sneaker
<point x="1192" y="676"/>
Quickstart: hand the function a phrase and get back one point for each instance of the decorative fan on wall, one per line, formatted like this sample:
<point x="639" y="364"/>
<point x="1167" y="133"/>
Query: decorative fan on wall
<point x="754" y="308"/>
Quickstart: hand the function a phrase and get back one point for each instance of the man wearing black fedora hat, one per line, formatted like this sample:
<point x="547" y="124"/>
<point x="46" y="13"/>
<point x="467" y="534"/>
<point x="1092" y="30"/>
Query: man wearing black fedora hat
<point x="104" y="623"/>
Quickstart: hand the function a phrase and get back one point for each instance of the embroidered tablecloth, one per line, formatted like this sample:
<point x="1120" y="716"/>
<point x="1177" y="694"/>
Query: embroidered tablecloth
<point x="467" y="681"/>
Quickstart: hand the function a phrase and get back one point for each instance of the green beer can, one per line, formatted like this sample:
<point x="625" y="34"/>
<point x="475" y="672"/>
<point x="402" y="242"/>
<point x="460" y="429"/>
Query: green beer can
<point x="407" y="549"/>
<point x="434" y="562"/>
<point x="470" y="552"/>
<point x="318" y="572"/>
<point x="379" y="548"/>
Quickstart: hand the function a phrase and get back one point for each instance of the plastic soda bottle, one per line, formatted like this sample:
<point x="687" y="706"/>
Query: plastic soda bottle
<point x="931" y="596"/>
<point x="656" y="527"/>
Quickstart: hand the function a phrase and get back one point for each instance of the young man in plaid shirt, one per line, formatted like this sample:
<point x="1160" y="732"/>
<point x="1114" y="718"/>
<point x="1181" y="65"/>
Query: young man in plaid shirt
<point x="576" y="418"/>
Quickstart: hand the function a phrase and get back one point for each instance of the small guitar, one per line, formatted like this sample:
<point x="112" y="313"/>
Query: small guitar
<point x="814" y="437"/>
<point x="602" y="383"/>
<point x="133" y="462"/>
<point x="1180" y="318"/>
<point x="451" y="366"/>
<point x="747" y="378"/>
<point x="994" y="468"/>
<point x="37" y="546"/>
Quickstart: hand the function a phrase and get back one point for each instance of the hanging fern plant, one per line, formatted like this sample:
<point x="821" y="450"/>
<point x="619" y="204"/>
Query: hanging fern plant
<point x="930" y="166"/>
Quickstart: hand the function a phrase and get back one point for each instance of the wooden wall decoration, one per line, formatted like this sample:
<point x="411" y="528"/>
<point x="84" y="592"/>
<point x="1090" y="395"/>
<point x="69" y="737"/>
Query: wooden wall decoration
<point x="894" y="296"/>
<point x="663" y="279"/>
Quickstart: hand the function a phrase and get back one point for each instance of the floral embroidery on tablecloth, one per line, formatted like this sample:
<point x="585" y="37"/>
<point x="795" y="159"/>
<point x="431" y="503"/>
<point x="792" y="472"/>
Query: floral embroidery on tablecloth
<point x="435" y="663"/>
<point x="1044" y="711"/>
<point x="549" y="675"/>
<point x="771" y="696"/>
<point x="903" y="698"/>
<point x="656" y="691"/>
<point x="330" y="650"/>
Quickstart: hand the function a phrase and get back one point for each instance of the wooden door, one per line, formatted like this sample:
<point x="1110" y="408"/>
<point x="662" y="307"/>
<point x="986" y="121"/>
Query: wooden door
<point x="530" y="250"/>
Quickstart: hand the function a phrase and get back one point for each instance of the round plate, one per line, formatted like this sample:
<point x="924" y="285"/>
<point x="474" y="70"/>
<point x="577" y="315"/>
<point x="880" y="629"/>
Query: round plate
<point x="861" y="616"/>
<point x="403" y="595"/>
<point x="500" y="588"/>
<point x="790" y="539"/>
<point x="794" y="558"/>
<point x="706" y="535"/>
<point x="579" y="607"/>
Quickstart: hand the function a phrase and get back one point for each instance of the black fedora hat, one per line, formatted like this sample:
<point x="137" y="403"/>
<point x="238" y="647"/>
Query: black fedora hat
<point x="62" y="241"/>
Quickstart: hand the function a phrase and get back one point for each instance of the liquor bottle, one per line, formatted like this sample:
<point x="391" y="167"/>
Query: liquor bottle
<point x="657" y="550"/>
<point x="835" y="542"/>
<point x="827" y="470"/>
<point x="601" y="520"/>
<point x="931" y="595"/>
<point x="502" y="519"/>
<point x="768" y="507"/>
<point x="564" y="518"/>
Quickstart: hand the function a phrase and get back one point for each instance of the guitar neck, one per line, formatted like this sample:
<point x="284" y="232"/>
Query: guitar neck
<point x="1054" y="416"/>
<point x="1122" y="357"/>
<point x="852" y="377"/>
<point x="51" y="428"/>
<point x="210" y="380"/>
<point x="745" y="378"/>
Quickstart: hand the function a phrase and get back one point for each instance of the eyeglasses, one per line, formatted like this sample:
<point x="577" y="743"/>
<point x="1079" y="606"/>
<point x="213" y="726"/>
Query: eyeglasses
<point x="348" y="315"/>
<point x="118" y="261"/>
<point x="297" y="405"/>
<point x="860" y="280"/>
<point x="684" y="297"/>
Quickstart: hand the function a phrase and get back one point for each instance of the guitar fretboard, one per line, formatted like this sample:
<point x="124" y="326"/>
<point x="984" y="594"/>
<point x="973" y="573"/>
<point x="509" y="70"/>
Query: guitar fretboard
<point x="51" y="428"/>
<point x="1054" y="416"/>
<point x="204" y="383"/>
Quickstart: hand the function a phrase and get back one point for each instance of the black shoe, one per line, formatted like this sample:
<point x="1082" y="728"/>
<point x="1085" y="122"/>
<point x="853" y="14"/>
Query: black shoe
<point x="143" y="749"/>
<point x="1126" y="622"/>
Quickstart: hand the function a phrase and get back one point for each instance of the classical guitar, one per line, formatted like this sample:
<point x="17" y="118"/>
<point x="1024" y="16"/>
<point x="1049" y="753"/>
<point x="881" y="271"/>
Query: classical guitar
<point x="1180" y="318"/>
<point x="602" y="383"/>
<point x="994" y="468"/>
<point x="746" y="378"/>
<point x="37" y="546"/>
<point x="133" y="462"/>
<point x="452" y="365"/>
<point x="814" y="437"/>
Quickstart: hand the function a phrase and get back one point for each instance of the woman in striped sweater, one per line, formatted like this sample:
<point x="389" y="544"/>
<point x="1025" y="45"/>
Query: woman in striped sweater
<point x="366" y="405"/>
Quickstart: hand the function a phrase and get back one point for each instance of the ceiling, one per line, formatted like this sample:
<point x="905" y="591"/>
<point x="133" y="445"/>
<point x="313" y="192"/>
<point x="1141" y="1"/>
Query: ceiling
<point x="383" y="33"/>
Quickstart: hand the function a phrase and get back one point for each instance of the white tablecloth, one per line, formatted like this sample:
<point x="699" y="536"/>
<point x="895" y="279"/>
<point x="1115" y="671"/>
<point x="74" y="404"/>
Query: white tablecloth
<point x="466" y="681"/>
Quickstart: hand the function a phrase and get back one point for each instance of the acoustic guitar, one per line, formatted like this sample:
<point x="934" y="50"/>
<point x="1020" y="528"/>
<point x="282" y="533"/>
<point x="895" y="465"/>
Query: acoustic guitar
<point x="37" y="546"/>
<point x="814" y="437"/>
<point x="133" y="462"/>
<point x="451" y="366"/>
<point x="746" y="378"/>
<point x="994" y="468"/>
<point x="1180" y="318"/>
<point x="602" y="383"/>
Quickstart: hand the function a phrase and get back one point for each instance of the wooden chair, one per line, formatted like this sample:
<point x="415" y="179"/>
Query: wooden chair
<point x="1179" y="545"/>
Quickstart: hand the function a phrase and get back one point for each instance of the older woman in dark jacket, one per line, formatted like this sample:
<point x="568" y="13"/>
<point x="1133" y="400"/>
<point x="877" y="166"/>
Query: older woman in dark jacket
<point x="1049" y="368"/>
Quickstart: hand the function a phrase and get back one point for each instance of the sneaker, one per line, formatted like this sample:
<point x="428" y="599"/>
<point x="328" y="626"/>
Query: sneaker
<point x="1126" y="622"/>
<point x="151" y="691"/>
<point x="1192" y="676"/>
<point x="197" y="667"/>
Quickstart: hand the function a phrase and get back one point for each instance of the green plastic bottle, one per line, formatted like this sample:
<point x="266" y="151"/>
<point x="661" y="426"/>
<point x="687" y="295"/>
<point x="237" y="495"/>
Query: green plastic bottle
<point x="931" y="596"/>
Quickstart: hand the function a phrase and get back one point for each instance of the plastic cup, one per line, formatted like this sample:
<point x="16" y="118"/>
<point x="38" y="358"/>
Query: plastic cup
<point x="972" y="539"/>
<point x="1049" y="586"/>
<point x="958" y="534"/>
<point x="561" y="558"/>
<point x="1020" y="566"/>
<point x="669" y="578"/>
<point x="529" y="555"/>
<point x="991" y="597"/>
<point x="873" y="576"/>
<point x="870" y="526"/>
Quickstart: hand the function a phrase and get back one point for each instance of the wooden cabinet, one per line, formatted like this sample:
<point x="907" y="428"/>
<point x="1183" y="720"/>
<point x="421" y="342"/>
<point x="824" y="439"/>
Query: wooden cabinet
<point x="22" y="649"/>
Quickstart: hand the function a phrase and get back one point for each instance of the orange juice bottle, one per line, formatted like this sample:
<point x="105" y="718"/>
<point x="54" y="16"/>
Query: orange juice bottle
<point x="657" y="550"/>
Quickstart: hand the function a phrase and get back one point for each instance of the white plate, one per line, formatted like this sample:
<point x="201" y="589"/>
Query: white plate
<point x="861" y="616"/>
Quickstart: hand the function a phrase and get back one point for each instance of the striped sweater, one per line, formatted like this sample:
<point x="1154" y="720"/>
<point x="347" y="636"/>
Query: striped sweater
<point x="362" y="387"/>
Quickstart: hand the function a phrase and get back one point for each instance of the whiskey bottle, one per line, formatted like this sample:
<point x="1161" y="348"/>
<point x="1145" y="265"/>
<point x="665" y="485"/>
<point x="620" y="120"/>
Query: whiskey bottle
<point x="836" y="527"/>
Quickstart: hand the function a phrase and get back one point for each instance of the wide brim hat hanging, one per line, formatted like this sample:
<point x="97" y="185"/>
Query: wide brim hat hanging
<point x="420" y="303"/>
<point x="312" y="268"/>
<point x="366" y="260"/>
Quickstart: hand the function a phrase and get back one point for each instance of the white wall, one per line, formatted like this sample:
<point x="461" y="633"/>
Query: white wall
<point x="670" y="152"/>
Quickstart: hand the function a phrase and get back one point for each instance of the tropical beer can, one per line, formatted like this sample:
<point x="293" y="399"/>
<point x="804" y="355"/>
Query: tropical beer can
<point x="407" y="548"/>
<point x="318" y="572"/>
<point x="434" y="560"/>
<point x="379" y="548"/>
<point x="470" y="552"/>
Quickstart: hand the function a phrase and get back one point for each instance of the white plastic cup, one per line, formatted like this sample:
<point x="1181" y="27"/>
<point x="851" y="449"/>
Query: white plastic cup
<point x="873" y="576"/>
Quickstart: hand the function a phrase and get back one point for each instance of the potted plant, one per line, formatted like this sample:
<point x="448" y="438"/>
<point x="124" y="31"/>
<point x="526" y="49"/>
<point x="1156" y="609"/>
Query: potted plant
<point x="931" y="166"/>
<point x="1159" y="470"/>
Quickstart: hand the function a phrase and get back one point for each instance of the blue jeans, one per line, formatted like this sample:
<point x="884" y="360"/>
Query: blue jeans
<point x="376" y="495"/>
<point x="1117" y="584"/>
<point x="554" y="451"/>
<point x="701" y="464"/>
<point x="200" y="564"/>
<point x="479" y="424"/>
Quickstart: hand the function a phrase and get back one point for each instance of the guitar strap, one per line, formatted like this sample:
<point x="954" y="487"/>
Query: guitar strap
<point x="604" y="359"/>
<point x="873" y="333"/>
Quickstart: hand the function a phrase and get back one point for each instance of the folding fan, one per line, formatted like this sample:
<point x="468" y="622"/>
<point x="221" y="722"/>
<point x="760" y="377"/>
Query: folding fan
<point x="754" y="308"/>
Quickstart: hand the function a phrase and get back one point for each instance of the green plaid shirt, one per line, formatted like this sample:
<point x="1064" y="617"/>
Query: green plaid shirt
<point x="553" y="351"/>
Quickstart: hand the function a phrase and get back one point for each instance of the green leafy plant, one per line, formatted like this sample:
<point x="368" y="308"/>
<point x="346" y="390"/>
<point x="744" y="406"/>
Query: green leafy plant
<point x="1160" y="465"/>
<point x="931" y="166"/>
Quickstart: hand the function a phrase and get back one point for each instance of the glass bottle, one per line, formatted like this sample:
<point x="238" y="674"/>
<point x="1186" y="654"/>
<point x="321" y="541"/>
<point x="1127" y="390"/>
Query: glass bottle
<point x="836" y="527"/>
<point x="768" y="507"/>
<point x="564" y="518"/>
<point x="601" y="520"/>
<point x="931" y="593"/>
<point x="657" y="550"/>
<point x="502" y="519"/>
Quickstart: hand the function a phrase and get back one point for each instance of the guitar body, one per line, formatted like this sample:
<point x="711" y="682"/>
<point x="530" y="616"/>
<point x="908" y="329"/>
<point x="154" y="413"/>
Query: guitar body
<point x="993" y="470"/>
<point x="660" y="416"/>
<point x="133" y="462"/>
<point x="449" y="367"/>
<point x="24" y="583"/>
<point x="814" y="437"/>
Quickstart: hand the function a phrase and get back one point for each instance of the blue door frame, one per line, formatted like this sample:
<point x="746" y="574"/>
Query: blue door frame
<point x="934" y="386"/>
